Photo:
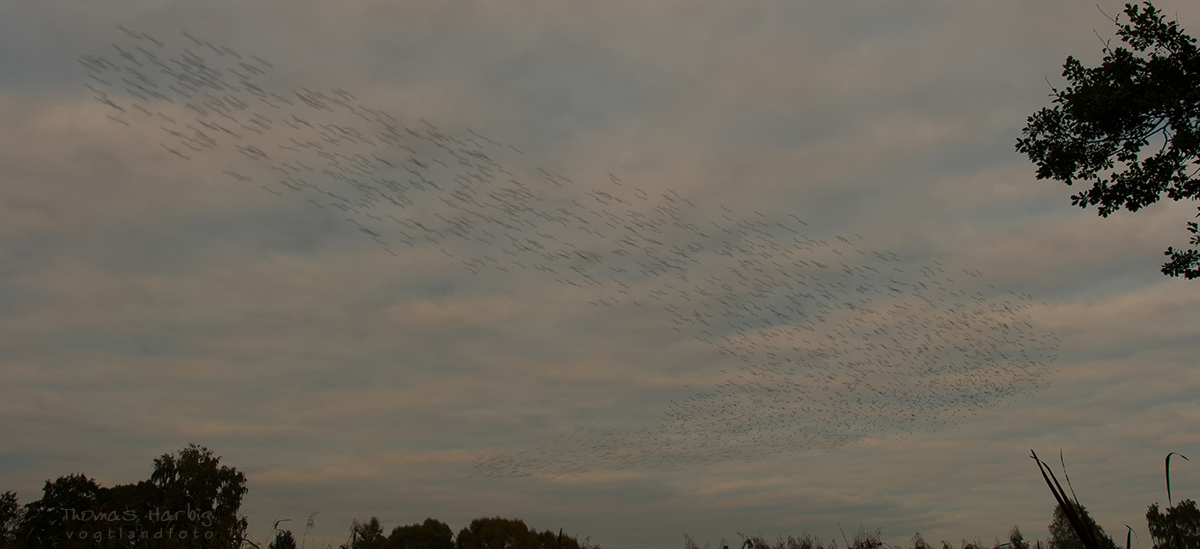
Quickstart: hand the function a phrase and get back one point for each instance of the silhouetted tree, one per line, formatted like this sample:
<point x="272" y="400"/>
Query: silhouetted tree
<point x="68" y="506"/>
<point x="130" y="513"/>
<point x="1178" y="528"/>
<point x="366" y="535"/>
<point x="1016" y="540"/>
<point x="197" y="493"/>
<point x="431" y="534"/>
<point x="189" y="501"/>
<point x="76" y="511"/>
<point x="1063" y="535"/>
<point x="552" y="540"/>
<point x="283" y="540"/>
<point x="1109" y="114"/>
<point x="500" y="533"/>
<point x="10" y="519"/>
<point x="496" y="533"/>
<point x="201" y="493"/>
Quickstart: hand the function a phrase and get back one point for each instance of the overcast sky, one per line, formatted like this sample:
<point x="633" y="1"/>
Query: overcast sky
<point x="628" y="268"/>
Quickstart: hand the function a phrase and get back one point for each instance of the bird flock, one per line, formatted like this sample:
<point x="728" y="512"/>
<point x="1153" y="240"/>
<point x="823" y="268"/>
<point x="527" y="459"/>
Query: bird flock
<point x="815" y="342"/>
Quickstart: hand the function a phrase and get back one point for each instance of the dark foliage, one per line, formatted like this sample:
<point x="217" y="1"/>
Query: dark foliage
<point x="501" y="533"/>
<point x="483" y="533"/>
<point x="67" y="507"/>
<point x="1178" y="528"/>
<point x="1016" y="540"/>
<point x="1136" y="101"/>
<point x="189" y="501"/>
<point x="10" y="518"/>
<point x="200" y="493"/>
<point x="283" y="540"/>
<point x="366" y="535"/>
<point x="1064" y="536"/>
<point x="431" y="534"/>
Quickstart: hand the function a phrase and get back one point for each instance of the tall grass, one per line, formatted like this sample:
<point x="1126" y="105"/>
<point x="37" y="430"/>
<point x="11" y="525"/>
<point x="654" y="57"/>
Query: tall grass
<point x="1178" y="528"/>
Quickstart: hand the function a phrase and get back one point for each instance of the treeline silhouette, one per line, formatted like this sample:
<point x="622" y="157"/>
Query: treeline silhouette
<point x="191" y="500"/>
<point x="482" y="533"/>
